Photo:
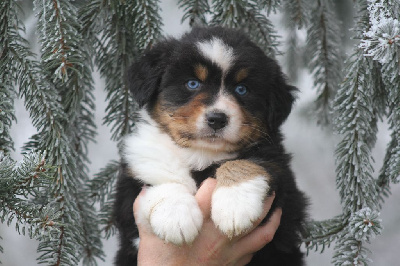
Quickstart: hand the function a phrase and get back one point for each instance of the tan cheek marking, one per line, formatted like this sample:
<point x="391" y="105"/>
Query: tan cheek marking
<point x="181" y="123"/>
<point x="252" y="128"/>
<point x="201" y="72"/>
<point x="241" y="75"/>
<point x="234" y="172"/>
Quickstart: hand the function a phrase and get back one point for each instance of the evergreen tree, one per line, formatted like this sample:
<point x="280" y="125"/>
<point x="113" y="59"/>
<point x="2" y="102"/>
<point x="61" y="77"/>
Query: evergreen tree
<point x="49" y="194"/>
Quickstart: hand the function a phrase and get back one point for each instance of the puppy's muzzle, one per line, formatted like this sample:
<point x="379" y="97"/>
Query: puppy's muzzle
<point x="216" y="120"/>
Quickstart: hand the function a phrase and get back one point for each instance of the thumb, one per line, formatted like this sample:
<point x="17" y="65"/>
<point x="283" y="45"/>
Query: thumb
<point x="203" y="196"/>
<point x="136" y="202"/>
<point x="139" y="217"/>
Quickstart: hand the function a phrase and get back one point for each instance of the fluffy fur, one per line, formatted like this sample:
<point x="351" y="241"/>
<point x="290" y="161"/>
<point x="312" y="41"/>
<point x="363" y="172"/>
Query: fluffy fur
<point x="211" y="104"/>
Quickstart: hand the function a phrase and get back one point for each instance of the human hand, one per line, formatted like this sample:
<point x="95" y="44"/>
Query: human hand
<point x="211" y="247"/>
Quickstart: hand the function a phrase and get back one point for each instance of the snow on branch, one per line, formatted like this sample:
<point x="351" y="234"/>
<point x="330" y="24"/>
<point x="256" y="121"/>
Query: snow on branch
<point x="325" y="57"/>
<point x="365" y="224"/>
<point x="381" y="42"/>
<point x="382" y="38"/>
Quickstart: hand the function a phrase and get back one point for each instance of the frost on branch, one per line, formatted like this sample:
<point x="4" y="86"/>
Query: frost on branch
<point x="383" y="37"/>
<point x="356" y="121"/>
<point x="349" y="251"/>
<point x="325" y="57"/>
<point x="365" y="224"/>
<point x="381" y="42"/>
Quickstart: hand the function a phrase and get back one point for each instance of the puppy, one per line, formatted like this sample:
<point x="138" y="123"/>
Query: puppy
<point x="211" y="105"/>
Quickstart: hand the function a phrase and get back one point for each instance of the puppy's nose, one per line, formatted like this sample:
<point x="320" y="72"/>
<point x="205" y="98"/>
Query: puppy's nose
<point x="216" y="120"/>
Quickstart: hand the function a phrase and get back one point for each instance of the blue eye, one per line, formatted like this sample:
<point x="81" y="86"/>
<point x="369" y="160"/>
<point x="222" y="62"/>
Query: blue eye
<point x="241" y="90"/>
<point x="193" y="84"/>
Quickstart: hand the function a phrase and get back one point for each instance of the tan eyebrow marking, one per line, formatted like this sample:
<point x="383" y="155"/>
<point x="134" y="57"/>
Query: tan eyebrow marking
<point x="241" y="74"/>
<point x="201" y="72"/>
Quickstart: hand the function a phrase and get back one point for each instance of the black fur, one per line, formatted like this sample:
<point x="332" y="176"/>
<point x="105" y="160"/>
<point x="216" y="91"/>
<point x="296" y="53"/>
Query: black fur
<point x="270" y="101"/>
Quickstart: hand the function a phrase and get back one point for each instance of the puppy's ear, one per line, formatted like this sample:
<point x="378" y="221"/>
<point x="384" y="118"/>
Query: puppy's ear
<point x="144" y="76"/>
<point x="281" y="102"/>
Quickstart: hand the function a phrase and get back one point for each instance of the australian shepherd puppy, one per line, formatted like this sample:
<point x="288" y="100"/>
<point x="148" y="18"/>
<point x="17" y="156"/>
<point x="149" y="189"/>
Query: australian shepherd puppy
<point x="211" y="105"/>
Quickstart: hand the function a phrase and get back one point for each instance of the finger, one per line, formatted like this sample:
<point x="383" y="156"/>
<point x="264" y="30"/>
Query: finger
<point x="143" y="227"/>
<point x="266" y="207"/>
<point x="136" y="202"/>
<point x="203" y="196"/>
<point x="260" y="236"/>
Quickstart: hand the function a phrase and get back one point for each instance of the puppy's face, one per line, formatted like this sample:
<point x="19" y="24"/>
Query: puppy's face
<point x="215" y="90"/>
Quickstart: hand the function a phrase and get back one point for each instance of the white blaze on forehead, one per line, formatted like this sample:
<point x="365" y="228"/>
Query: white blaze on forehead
<point x="218" y="52"/>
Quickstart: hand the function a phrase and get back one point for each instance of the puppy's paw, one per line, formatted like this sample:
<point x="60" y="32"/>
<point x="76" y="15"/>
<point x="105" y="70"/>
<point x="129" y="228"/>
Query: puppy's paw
<point x="173" y="213"/>
<point x="236" y="207"/>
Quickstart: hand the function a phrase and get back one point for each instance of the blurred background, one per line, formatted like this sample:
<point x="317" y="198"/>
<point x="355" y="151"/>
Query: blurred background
<point x="312" y="147"/>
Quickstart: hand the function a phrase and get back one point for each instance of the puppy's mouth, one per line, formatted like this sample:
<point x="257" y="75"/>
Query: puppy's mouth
<point x="207" y="135"/>
<point x="215" y="141"/>
<point x="213" y="138"/>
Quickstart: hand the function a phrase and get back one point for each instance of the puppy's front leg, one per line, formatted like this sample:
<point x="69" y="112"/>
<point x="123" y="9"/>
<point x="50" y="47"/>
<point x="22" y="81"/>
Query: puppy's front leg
<point x="172" y="212"/>
<point x="237" y="201"/>
<point x="168" y="206"/>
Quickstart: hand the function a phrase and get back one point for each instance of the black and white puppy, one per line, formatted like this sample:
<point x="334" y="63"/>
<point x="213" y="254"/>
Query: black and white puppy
<point x="211" y="105"/>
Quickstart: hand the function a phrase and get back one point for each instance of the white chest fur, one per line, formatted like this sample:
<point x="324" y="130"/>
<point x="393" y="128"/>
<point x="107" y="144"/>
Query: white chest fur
<point x="156" y="159"/>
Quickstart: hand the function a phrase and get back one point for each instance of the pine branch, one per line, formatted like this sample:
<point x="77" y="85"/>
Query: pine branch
<point x="296" y="15"/>
<point x="65" y="59"/>
<point x="195" y="11"/>
<point x="323" y="44"/>
<point x="382" y="43"/>
<point x="41" y="101"/>
<point x="262" y="31"/>
<point x="19" y="183"/>
<point x="269" y="5"/>
<point x="247" y="16"/>
<point x="102" y="190"/>
<point x="147" y="22"/>
<point x="356" y="121"/>
<point x="349" y="251"/>
<point x="10" y="41"/>
<point x="323" y="233"/>
<point x="115" y="52"/>
<point x="102" y="184"/>
<point x="391" y="167"/>
<point x="361" y="227"/>
<point x="7" y="92"/>
<point x="360" y="102"/>
<point x="106" y="216"/>
<point x="7" y="95"/>
<point x="349" y="232"/>
<point x="92" y="245"/>
<point x="365" y="224"/>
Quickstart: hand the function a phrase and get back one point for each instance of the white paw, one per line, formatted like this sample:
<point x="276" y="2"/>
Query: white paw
<point x="235" y="208"/>
<point x="172" y="213"/>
